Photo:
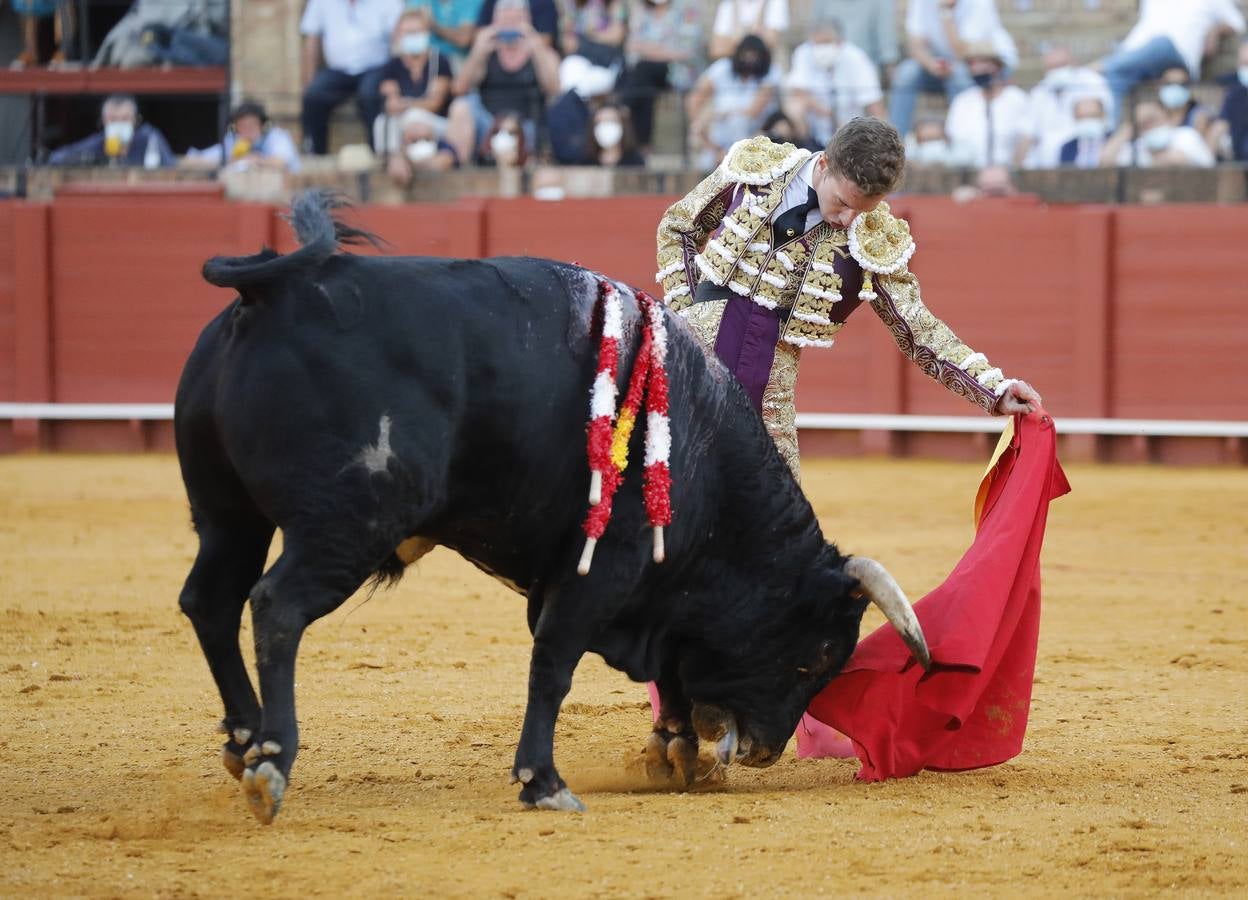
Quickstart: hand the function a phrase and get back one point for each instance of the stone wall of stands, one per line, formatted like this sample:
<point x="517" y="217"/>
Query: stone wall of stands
<point x="1131" y="312"/>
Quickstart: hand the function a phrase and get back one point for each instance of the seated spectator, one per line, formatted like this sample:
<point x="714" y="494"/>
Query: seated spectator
<point x="937" y="34"/>
<point x="594" y="29"/>
<point x="988" y="123"/>
<point x="452" y="24"/>
<point x="417" y="77"/>
<point x="1052" y="104"/>
<point x="509" y="69"/>
<point x="251" y="142"/>
<point x="610" y="140"/>
<point x="734" y="19"/>
<point x="354" y="36"/>
<point x="505" y="146"/>
<point x="731" y="100"/>
<point x="928" y="146"/>
<point x="175" y="32"/>
<point x="870" y="25"/>
<point x="990" y="182"/>
<point x="1090" y="131"/>
<point x="663" y="50"/>
<point x="125" y="141"/>
<point x="831" y="82"/>
<point x="1169" y="33"/>
<point x="544" y="15"/>
<point x="420" y="149"/>
<point x="63" y="14"/>
<point x="1159" y="143"/>
<point x="780" y="129"/>
<point x="1229" y="134"/>
<point x="1174" y="93"/>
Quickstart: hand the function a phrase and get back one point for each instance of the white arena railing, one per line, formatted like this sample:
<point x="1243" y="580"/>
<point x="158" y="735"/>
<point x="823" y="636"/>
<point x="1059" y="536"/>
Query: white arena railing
<point x="812" y="421"/>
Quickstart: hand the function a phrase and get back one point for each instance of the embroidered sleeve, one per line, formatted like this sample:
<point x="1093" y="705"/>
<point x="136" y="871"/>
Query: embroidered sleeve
<point x="683" y="232"/>
<point x="932" y="344"/>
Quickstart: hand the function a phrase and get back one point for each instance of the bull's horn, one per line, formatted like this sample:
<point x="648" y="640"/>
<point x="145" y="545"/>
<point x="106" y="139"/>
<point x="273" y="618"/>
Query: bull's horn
<point x="880" y="588"/>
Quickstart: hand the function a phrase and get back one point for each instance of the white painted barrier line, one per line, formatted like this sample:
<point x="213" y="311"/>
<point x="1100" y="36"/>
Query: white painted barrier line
<point x="813" y="421"/>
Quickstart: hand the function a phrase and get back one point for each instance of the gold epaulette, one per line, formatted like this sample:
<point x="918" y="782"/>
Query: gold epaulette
<point x="881" y="242"/>
<point x="758" y="160"/>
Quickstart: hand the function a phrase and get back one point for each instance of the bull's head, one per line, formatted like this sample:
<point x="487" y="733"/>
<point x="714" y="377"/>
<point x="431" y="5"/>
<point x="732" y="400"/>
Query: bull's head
<point x="748" y="699"/>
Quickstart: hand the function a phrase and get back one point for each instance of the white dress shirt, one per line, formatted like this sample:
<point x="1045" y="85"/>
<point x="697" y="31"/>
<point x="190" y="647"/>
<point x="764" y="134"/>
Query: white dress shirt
<point x="976" y="21"/>
<point x="734" y="16"/>
<point x="355" y="34"/>
<point x="1186" y="22"/>
<point x="967" y="125"/>
<point x="848" y="88"/>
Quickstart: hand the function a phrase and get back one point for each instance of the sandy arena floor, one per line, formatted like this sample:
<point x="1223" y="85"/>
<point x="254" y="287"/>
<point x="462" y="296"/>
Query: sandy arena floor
<point x="1134" y="779"/>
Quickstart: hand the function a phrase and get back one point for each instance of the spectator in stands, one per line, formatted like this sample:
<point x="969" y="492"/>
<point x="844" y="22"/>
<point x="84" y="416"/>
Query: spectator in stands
<point x="937" y="34"/>
<point x="990" y="182"/>
<point x="928" y="145"/>
<point x="831" y="82"/>
<point x="1175" y="96"/>
<point x="731" y="100"/>
<point x="734" y="19"/>
<point x="610" y="140"/>
<point x="418" y="76"/>
<point x="1229" y="135"/>
<point x="510" y="69"/>
<point x="544" y="15"/>
<point x="452" y="23"/>
<point x="251" y="142"/>
<point x="1159" y="143"/>
<point x="870" y="25"/>
<point x="663" y="50"/>
<point x="1169" y="33"/>
<point x="354" y="37"/>
<point x="1052" y="104"/>
<point x="420" y="148"/>
<point x="505" y="146"/>
<point x="988" y="123"/>
<point x="594" y="29"/>
<point x="779" y="128"/>
<point x="1090" y="131"/>
<point x="125" y="140"/>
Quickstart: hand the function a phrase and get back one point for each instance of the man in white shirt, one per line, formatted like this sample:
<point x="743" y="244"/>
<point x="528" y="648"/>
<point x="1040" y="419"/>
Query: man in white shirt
<point x="937" y="35"/>
<point x="1089" y="132"/>
<point x="353" y="36"/>
<point x="870" y="25"/>
<point x="1053" y="102"/>
<point x="734" y="19"/>
<point x="830" y="82"/>
<point x="989" y="124"/>
<point x="1159" y="143"/>
<point x="1169" y="33"/>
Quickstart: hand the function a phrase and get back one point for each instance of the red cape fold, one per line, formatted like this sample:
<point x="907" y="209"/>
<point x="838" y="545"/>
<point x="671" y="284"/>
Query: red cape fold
<point x="981" y="626"/>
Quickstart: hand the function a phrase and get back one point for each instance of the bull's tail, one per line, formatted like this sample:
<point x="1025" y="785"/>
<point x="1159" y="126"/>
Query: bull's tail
<point x="319" y="231"/>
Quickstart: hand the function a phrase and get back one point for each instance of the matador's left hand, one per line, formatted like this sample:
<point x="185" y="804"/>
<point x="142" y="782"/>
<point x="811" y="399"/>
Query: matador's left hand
<point x="1019" y="397"/>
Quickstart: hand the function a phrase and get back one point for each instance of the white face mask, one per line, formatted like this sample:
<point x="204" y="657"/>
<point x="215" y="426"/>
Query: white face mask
<point x="1174" y="96"/>
<point x="549" y="192"/>
<point x="122" y="131"/>
<point x="932" y="153"/>
<point x="1089" y="129"/>
<point x="414" y="43"/>
<point x="1158" y="139"/>
<point x="608" y="133"/>
<point x="826" y="55"/>
<point x="420" y="151"/>
<point x="503" y="144"/>
<point x="1243" y="75"/>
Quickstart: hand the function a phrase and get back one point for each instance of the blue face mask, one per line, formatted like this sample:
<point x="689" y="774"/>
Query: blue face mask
<point x="984" y="79"/>
<point x="1174" y="96"/>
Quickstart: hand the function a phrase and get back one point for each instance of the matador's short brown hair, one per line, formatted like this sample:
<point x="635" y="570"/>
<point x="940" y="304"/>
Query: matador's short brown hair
<point x="870" y="153"/>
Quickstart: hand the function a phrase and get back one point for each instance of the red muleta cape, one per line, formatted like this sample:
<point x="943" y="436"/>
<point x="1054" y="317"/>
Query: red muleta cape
<point x="981" y="626"/>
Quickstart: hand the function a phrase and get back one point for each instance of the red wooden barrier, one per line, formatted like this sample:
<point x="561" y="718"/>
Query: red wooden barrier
<point x="1133" y="312"/>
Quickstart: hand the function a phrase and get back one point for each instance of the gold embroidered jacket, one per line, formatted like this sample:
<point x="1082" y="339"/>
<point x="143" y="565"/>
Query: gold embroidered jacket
<point x="720" y="232"/>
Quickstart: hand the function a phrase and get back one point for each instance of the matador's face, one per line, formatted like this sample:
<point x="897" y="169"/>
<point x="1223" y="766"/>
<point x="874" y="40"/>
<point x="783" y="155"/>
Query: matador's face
<point x="839" y="198"/>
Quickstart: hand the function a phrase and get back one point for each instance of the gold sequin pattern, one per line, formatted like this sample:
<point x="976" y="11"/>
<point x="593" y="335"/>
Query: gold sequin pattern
<point x="883" y="239"/>
<point x="686" y="225"/>
<point x="930" y="342"/>
<point x="703" y="320"/>
<point x="779" y="413"/>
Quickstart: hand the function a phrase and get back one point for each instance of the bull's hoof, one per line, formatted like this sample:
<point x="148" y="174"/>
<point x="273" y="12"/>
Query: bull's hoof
<point x="562" y="800"/>
<point x="264" y="787"/>
<point x="233" y="761"/>
<point x="658" y="768"/>
<point x="683" y="755"/>
<point x="671" y="758"/>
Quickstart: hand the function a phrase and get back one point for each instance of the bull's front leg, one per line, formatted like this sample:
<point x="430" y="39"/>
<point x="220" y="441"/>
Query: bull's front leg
<point x="672" y="748"/>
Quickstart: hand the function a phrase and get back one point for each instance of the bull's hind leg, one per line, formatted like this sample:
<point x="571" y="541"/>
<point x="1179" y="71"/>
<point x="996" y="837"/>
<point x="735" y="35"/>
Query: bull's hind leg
<point x="231" y="557"/>
<point x="671" y="752"/>
<point x="301" y="587"/>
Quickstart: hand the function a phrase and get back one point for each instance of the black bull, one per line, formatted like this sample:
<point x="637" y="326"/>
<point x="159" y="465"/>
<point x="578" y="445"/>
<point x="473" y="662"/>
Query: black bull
<point x="373" y="408"/>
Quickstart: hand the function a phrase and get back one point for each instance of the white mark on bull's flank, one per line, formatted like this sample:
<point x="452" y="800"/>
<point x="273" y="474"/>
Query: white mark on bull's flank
<point x="375" y="457"/>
